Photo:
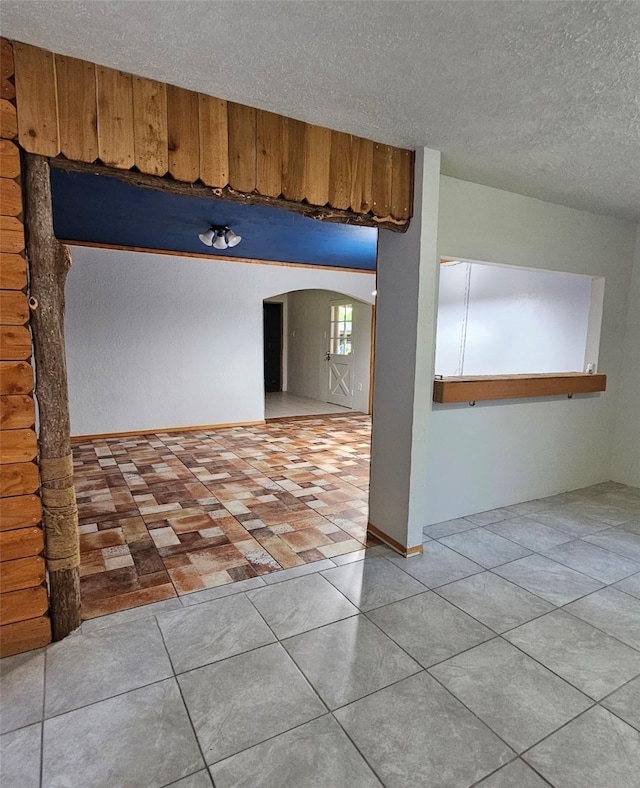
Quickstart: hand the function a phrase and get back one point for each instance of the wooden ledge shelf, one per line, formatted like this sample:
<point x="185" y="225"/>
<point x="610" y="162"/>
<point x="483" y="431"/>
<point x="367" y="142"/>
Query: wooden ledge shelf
<point x="487" y="387"/>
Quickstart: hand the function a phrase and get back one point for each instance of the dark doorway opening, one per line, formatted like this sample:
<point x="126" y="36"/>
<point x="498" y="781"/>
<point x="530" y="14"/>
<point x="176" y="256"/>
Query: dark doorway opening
<point x="272" y="318"/>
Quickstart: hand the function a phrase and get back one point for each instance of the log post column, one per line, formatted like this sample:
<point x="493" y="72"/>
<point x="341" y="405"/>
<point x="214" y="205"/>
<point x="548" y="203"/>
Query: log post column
<point x="49" y="263"/>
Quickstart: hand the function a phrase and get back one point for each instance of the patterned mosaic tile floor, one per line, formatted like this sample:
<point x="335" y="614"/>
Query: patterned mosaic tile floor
<point x="168" y="514"/>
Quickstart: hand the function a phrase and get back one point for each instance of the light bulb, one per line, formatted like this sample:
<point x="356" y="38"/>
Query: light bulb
<point x="232" y="238"/>
<point x="220" y="241"/>
<point x="207" y="238"/>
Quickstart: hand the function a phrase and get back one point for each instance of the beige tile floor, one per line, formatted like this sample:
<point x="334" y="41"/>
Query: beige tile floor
<point x="280" y="404"/>
<point x="471" y="665"/>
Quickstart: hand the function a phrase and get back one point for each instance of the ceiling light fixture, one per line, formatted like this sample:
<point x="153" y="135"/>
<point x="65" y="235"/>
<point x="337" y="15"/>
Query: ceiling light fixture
<point x="220" y="237"/>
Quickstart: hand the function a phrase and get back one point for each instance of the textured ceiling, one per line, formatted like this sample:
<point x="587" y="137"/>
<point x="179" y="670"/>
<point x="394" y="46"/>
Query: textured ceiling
<point x="536" y="97"/>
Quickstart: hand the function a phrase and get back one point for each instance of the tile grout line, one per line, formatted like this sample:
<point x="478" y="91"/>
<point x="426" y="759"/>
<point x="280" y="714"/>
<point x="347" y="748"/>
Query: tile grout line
<point x="184" y="703"/>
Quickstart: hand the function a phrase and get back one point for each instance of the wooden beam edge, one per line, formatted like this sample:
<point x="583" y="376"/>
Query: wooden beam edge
<point x="488" y="387"/>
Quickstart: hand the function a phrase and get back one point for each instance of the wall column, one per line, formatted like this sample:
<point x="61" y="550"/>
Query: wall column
<point x="406" y="307"/>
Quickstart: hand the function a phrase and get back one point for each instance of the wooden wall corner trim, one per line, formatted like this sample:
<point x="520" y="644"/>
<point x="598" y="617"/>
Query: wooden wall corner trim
<point x="390" y="542"/>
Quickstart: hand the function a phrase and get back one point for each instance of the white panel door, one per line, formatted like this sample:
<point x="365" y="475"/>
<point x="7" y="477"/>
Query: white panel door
<point x="340" y="354"/>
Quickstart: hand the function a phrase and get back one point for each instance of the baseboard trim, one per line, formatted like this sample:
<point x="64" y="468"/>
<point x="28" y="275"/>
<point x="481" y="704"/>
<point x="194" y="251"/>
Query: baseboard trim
<point x="314" y="416"/>
<point x="390" y="542"/>
<point x="161" y="430"/>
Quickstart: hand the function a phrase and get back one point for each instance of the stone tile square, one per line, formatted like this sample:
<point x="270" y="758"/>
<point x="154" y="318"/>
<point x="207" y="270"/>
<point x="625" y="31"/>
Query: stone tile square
<point x="21" y="690"/>
<point x="514" y="775"/>
<point x="298" y="571"/>
<point x="316" y="754"/>
<point x="592" y="560"/>
<point x="552" y="581"/>
<point x="429" y="628"/>
<point x="484" y="547"/>
<point x="437" y="530"/>
<point x="140" y="738"/>
<point x="612" y="611"/>
<point x="569" y="522"/>
<point x="208" y="594"/>
<point x="20" y="757"/>
<point x="529" y="533"/>
<point x="625" y="702"/>
<point x="620" y="541"/>
<point x="373" y="582"/>
<point x="415" y="733"/>
<point x="83" y="669"/>
<point x="134" y="613"/>
<point x="495" y="602"/>
<point x="349" y="659"/>
<point x="603" y="512"/>
<point x="590" y="660"/>
<point x="595" y="750"/>
<point x="490" y="517"/>
<point x="298" y="605"/>
<point x="212" y="631"/>
<point x="630" y="585"/>
<point x="515" y="696"/>
<point x="198" y="780"/>
<point x="247" y="699"/>
<point x="437" y="565"/>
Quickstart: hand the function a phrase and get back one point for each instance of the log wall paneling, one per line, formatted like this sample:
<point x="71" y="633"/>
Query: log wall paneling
<point x="270" y="141"/>
<point x="294" y="160"/>
<point x="183" y="126"/>
<point x="8" y="120"/>
<point x="242" y="147"/>
<point x="36" y="95"/>
<point x="15" y="342"/>
<point x="18" y="479"/>
<point x="17" y="606"/>
<point x="114" y="93"/>
<point x="23" y="595"/>
<point x="20" y="543"/>
<point x="382" y="179"/>
<point x="77" y="109"/>
<point x="318" y="164"/>
<point x="213" y="141"/>
<point x="362" y="175"/>
<point x="25" y="635"/>
<point x="20" y="511"/>
<point x="10" y="197"/>
<point x="17" y="412"/>
<point x="11" y="234"/>
<point x="22" y="573"/>
<point x="401" y="182"/>
<point x="14" y="308"/>
<point x="13" y="271"/>
<point x="9" y="159"/>
<point x="150" y="131"/>
<point x="7" y="87"/>
<point x="340" y="170"/>
<point x="17" y="446"/>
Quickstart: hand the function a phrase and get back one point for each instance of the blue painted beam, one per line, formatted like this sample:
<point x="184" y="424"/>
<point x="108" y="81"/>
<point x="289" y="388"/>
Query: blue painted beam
<point x="104" y="210"/>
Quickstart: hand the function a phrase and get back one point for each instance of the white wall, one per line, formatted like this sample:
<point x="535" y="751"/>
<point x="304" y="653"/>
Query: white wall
<point x="503" y="320"/>
<point x="626" y="446"/>
<point x="404" y="363"/>
<point x="157" y="341"/>
<point x="308" y="343"/>
<point x="495" y="454"/>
